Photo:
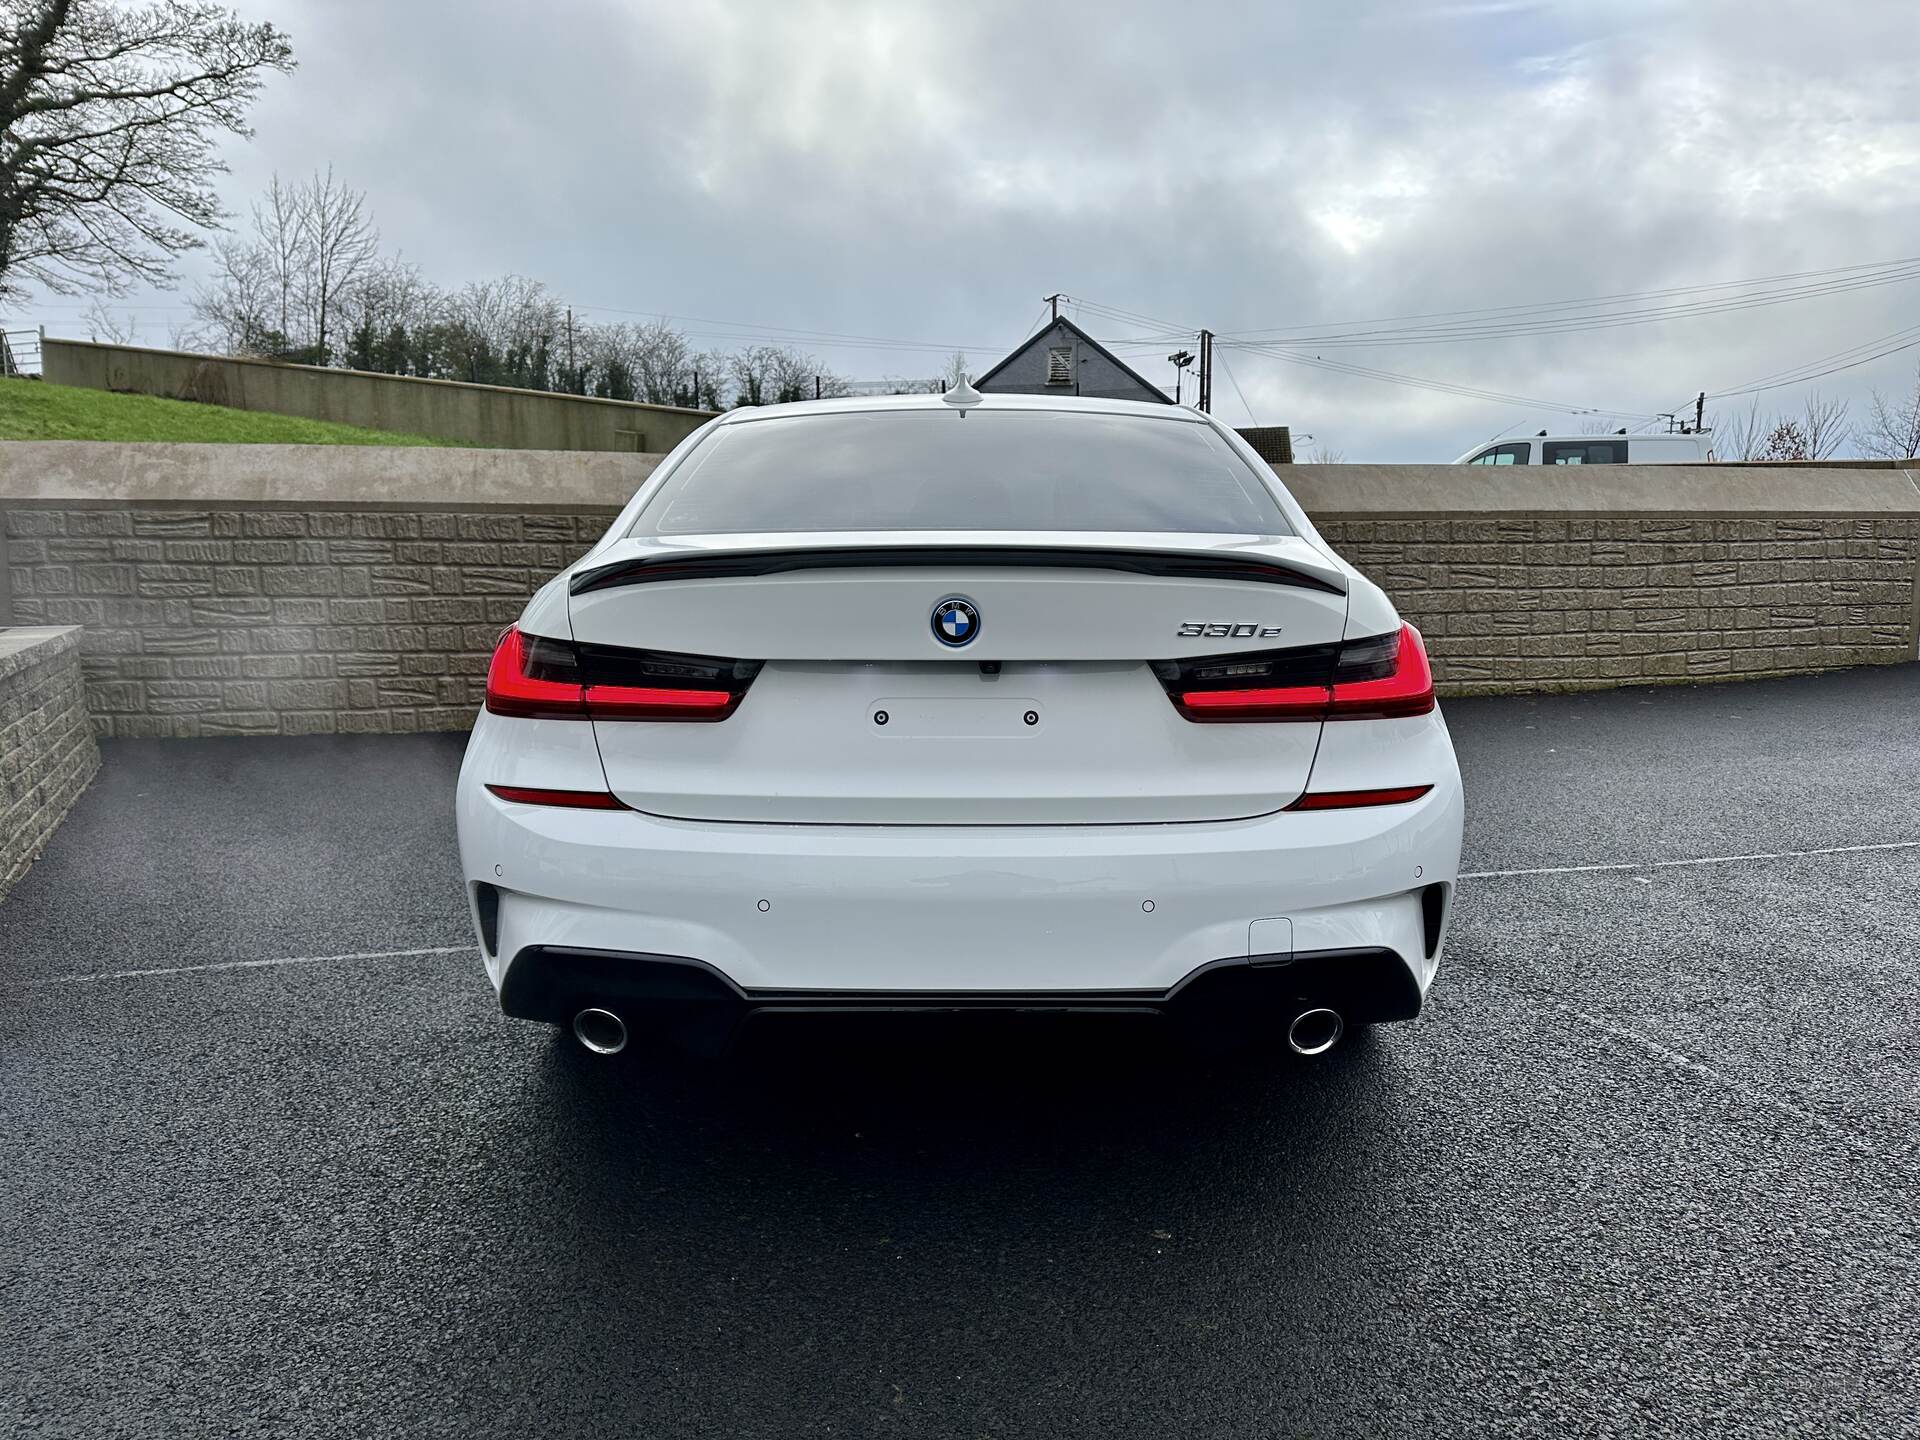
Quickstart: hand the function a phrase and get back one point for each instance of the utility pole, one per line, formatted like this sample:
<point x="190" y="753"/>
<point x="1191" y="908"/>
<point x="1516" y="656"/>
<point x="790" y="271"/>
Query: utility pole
<point x="571" y="380"/>
<point x="1206" y="371"/>
<point x="1054" y="300"/>
<point x="816" y="387"/>
<point x="1700" y="412"/>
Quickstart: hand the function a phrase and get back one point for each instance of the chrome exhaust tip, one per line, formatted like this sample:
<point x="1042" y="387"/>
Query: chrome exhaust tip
<point x="1315" y="1031"/>
<point x="601" y="1031"/>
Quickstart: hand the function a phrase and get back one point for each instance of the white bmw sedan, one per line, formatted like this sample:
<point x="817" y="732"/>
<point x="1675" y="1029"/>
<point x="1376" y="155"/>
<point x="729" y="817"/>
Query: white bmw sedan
<point x="937" y="703"/>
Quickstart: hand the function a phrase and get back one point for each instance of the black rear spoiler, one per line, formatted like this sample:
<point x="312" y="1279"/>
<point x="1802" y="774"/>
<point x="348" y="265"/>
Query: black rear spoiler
<point x="1186" y="565"/>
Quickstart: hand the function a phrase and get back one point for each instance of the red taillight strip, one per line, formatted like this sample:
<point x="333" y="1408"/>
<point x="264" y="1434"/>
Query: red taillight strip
<point x="566" y="799"/>
<point x="1358" y="799"/>
<point x="645" y="702"/>
<point x="1291" y="702"/>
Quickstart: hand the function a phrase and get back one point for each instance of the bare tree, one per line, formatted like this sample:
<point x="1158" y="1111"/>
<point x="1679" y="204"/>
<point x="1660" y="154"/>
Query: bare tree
<point x="237" y="310"/>
<point x="950" y="374"/>
<point x="1891" y="430"/>
<point x="611" y="357"/>
<point x="1325" y="455"/>
<point x="381" y="312"/>
<point x="707" y="383"/>
<point x="1816" y="433"/>
<point x="109" y="119"/>
<point x="277" y="227"/>
<point x="662" y="360"/>
<point x="337" y="243"/>
<point x="776" y="374"/>
<point x="1739" y="435"/>
<point x="511" y="313"/>
<point x="1823" y="422"/>
<point x="282" y="291"/>
<point x="117" y="329"/>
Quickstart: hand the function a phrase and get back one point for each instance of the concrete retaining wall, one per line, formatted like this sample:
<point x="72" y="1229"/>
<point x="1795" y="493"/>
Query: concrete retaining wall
<point x="481" y="415"/>
<point x="269" y="589"/>
<point x="47" y="750"/>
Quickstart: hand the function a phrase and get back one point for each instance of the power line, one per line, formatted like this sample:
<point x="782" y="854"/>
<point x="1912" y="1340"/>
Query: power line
<point x="1348" y="368"/>
<point x="1848" y="276"/>
<point x="1909" y="338"/>
<point x="1579" y="324"/>
<point x="1227" y="365"/>
<point x="1845" y="354"/>
<point x="1445" y="387"/>
<point x="1133" y="316"/>
<point x="1161" y="331"/>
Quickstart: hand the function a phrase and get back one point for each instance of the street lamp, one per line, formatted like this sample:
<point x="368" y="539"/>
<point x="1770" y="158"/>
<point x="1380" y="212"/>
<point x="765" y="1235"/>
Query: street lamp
<point x="1180" y="359"/>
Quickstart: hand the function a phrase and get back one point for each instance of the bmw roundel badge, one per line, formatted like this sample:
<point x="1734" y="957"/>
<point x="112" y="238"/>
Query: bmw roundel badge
<point x="955" y="622"/>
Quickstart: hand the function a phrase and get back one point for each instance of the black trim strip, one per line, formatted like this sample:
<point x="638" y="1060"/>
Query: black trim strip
<point x="704" y="1007"/>
<point x="643" y="569"/>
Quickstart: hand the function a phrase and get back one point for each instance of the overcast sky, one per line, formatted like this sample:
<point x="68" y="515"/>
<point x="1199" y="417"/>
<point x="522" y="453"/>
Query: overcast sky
<point x="926" y="173"/>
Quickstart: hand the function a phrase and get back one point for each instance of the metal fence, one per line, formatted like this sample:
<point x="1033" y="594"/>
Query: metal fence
<point x="19" y="352"/>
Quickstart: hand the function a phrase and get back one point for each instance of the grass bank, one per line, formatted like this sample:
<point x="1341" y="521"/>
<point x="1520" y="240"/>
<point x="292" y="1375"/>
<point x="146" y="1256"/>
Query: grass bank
<point x="33" y="410"/>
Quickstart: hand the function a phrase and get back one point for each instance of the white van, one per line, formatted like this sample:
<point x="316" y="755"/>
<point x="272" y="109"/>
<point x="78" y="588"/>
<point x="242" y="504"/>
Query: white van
<point x="1695" y="448"/>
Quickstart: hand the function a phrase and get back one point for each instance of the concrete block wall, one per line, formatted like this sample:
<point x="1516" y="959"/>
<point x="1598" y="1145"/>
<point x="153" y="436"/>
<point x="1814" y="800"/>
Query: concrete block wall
<point x="288" y="590"/>
<point x="47" y="750"/>
<point x="1545" y="603"/>
<point x="227" y="621"/>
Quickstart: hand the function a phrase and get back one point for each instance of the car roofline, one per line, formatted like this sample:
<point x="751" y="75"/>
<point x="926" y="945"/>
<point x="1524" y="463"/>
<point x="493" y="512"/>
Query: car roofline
<point x="859" y="404"/>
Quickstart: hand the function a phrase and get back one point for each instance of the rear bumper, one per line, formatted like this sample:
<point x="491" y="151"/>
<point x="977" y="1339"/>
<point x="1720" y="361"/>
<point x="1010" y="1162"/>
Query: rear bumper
<point x="946" y="910"/>
<point x="692" y="1005"/>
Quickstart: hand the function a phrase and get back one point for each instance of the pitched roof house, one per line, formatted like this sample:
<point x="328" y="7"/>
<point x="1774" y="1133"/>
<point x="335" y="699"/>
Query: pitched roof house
<point x="1062" y="359"/>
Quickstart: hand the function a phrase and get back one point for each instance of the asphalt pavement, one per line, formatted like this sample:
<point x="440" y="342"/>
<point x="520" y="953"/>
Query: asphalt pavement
<point x="1646" y="1165"/>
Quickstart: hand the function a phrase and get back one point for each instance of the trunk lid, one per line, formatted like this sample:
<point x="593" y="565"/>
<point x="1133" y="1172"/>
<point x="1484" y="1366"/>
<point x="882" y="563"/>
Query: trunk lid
<point x="1049" y="714"/>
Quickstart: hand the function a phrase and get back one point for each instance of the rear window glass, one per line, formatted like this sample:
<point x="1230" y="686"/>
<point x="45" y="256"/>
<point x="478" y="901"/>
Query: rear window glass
<point x="954" y="470"/>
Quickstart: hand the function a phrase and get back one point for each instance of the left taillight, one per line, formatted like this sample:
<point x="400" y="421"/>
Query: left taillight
<point x="535" y="678"/>
<point x="539" y="678"/>
<point x="1380" y="677"/>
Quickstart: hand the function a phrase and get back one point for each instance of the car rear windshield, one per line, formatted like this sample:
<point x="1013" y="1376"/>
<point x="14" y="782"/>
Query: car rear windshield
<point x="959" y="470"/>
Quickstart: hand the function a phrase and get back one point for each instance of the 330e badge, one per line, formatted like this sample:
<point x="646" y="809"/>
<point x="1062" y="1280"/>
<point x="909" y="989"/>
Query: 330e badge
<point x="1226" y="630"/>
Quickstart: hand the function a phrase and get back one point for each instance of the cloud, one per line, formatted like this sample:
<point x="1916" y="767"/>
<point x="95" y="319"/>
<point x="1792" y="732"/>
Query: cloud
<point x="928" y="173"/>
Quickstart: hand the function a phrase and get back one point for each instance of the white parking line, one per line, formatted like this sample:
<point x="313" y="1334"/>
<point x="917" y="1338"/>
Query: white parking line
<point x="243" y="965"/>
<point x="1702" y="860"/>
<point x="468" y="949"/>
<point x="1699" y="1071"/>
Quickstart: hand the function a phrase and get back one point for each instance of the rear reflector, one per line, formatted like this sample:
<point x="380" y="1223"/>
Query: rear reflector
<point x="1358" y="799"/>
<point x="566" y="799"/>
<point x="539" y="678"/>
<point x="1378" y="678"/>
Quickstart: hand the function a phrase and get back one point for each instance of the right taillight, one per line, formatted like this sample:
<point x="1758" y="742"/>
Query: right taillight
<point x="1382" y="678"/>
<point x="536" y="677"/>
<point x="1377" y="678"/>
